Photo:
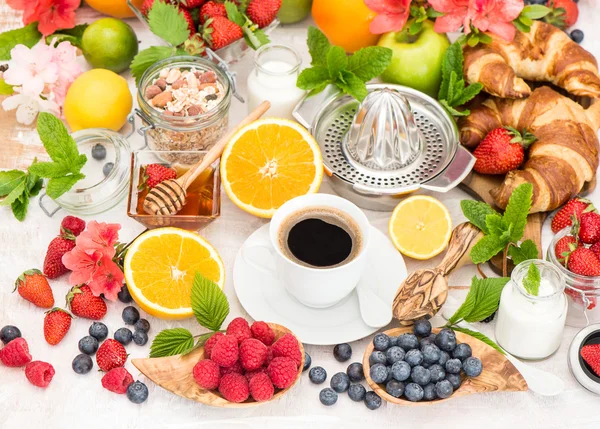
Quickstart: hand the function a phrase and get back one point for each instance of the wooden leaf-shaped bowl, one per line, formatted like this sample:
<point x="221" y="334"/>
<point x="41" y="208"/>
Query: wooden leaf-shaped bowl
<point x="498" y="375"/>
<point x="174" y="373"/>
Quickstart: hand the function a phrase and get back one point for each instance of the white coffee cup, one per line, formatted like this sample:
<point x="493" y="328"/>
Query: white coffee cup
<point x="313" y="287"/>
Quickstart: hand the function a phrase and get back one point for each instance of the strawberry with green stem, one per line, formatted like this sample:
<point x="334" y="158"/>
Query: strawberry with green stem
<point x="502" y="150"/>
<point x="33" y="286"/>
<point x="220" y="32"/>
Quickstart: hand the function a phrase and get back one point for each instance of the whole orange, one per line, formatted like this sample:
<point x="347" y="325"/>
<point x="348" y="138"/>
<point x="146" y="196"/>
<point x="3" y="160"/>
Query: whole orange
<point x="345" y="23"/>
<point x="114" y="8"/>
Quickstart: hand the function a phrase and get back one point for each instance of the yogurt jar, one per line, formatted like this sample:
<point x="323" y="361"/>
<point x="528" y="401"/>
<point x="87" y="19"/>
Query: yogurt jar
<point x="531" y="326"/>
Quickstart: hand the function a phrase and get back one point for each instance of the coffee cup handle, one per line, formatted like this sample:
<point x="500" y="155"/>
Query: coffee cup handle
<point x="260" y="244"/>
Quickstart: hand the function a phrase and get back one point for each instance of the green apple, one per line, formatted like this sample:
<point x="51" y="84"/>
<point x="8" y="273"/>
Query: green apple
<point x="416" y="60"/>
<point x="292" y="11"/>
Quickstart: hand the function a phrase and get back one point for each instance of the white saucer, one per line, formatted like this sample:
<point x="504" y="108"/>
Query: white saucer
<point x="265" y="298"/>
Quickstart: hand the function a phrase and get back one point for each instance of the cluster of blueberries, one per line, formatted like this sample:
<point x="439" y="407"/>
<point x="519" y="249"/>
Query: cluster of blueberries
<point x="99" y="153"/>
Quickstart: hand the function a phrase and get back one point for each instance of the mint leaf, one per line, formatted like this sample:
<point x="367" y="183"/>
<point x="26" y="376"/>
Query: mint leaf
<point x="144" y="59"/>
<point x="9" y="180"/>
<point x="477" y="212"/>
<point x="19" y="207"/>
<point x="481" y="337"/>
<point x="14" y="194"/>
<point x="254" y="38"/>
<point x="527" y="250"/>
<point x="58" y="143"/>
<point x="452" y="111"/>
<point x="486" y="248"/>
<point x="453" y="61"/>
<point x="209" y="303"/>
<point x="487" y="298"/>
<point x="532" y="281"/>
<point x="49" y="169"/>
<point x="171" y="342"/>
<point x="368" y="63"/>
<point x="28" y="36"/>
<point x="352" y="85"/>
<point x="318" y="47"/>
<point x="496" y="224"/>
<point x="517" y="210"/>
<point x="168" y="23"/>
<point x="468" y="94"/>
<point x="466" y="308"/>
<point x="59" y="185"/>
<point x="233" y="14"/>
<point x="5" y="88"/>
<point x="314" y="77"/>
<point x="535" y="11"/>
<point x="336" y="61"/>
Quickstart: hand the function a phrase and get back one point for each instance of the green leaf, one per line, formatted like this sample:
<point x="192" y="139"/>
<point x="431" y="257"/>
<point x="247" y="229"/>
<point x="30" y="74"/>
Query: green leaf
<point x="255" y="38"/>
<point x="58" y="186"/>
<point x="517" y="210"/>
<point x="71" y="35"/>
<point x="486" y="248"/>
<point x="527" y="250"/>
<point x="19" y="207"/>
<point x="13" y="195"/>
<point x="352" y="85"/>
<point x="535" y="11"/>
<point x="49" y="169"/>
<point x="5" y="88"/>
<point x="336" y="61"/>
<point x="472" y="40"/>
<point x="452" y="111"/>
<point x="168" y="23"/>
<point x="233" y="13"/>
<point x="33" y="183"/>
<point x="453" y="61"/>
<point x="368" y="63"/>
<point x="432" y="13"/>
<point x="9" y="180"/>
<point x="481" y="337"/>
<point x="58" y="143"/>
<point x="209" y="303"/>
<point x="525" y="20"/>
<point x="521" y="27"/>
<point x="465" y="309"/>
<point x="318" y="47"/>
<point x="495" y="224"/>
<point x="415" y="27"/>
<point x="468" y="94"/>
<point x="484" y="38"/>
<point x="477" y="212"/>
<point x="487" y="297"/>
<point x="28" y="36"/>
<point x="144" y="59"/>
<point x="451" y="87"/>
<point x="314" y="77"/>
<point x="532" y="280"/>
<point x="171" y="342"/>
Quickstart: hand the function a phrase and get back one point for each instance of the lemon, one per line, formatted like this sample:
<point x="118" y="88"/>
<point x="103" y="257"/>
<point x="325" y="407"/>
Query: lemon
<point x="98" y="98"/>
<point x="420" y="227"/>
<point x="114" y="8"/>
<point x="109" y="43"/>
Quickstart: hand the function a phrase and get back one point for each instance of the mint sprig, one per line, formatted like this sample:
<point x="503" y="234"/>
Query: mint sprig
<point x="532" y="280"/>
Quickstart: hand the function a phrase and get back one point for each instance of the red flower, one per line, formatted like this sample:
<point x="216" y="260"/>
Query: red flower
<point x="391" y="15"/>
<point x="107" y="279"/>
<point x="51" y="15"/>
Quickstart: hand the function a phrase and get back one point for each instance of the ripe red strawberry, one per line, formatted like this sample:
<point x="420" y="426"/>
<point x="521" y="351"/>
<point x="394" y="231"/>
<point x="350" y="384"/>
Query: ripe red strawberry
<point x="56" y="325"/>
<point x="574" y="207"/>
<point x="211" y="9"/>
<point x="71" y="225"/>
<point x="584" y="262"/>
<point x="33" y="286"/>
<point x="564" y="247"/>
<point x="190" y="20"/>
<point x="596" y="249"/>
<point x="263" y="12"/>
<point x="111" y="354"/>
<point x="564" y="13"/>
<point x="220" y="32"/>
<point x="591" y="355"/>
<point x="589" y="228"/>
<point x="53" y="265"/>
<point x="192" y="4"/>
<point x="84" y="304"/>
<point x="153" y="174"/>
<point x="502" y="150"/>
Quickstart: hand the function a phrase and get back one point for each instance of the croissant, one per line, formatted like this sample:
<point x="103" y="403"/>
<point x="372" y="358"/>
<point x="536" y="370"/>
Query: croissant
<point x="544" y="54"/>
<point x="562" y="159"/>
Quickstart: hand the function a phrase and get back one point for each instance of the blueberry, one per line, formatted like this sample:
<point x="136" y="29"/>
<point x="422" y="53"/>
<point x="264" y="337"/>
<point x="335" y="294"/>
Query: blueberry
<point x="124" y="336"/>
<point x="408" y="341"/>
<point x="394" y="354"/>
<point x="98" y="152"/>
<point x="379" y="373"/>
<point x="576" y="36"/>
<point x="9" y="333"/>
<point x="472" y="367"/>
<point x="372" y="400"/>
<point x="142" y="325"/>
<point x="137" y="392"/>
<point x="422" y="327"/>
<point x="437" y="373"/>
<point x="393" y="341"/>
<point x="444" y="356"/>
<point x="462" y="351"/>
<point x="88" y="345"/>
<point x="82" y="364"/>
<point x="357" y="392"/>
<point x="446" y="340"/>
<point x="381" y="342"/>
<point x="328" y="396"/>
<point x="307" y="361"/>
<point x="453" y="366"/>
<point x="317" y="375"/>
<point x="429" y="392"/>
<point x="340" y="382"/>
<point x="427" y="340"/>
<point x="130" y="315"/>
<point x="401" y="371"/>
<point x="431" y="353"/>
<point x="107" y="168"/>
<point x="395" y="388"/>
<point x="377" y="357"/>
<point x="389" y="372"/>
<point x="420" y="375"/>
<point x="140" y="338"/>
<point x="98" y="330"/>
<point x="444" y="389"/>
<point x="414" y="357"/>
<point x="413" y="392"/>
<point x="124" y="295"/>
<point x="355" y="372"/>
<point x="342" y="352"/>
<point x="455" y="380"/>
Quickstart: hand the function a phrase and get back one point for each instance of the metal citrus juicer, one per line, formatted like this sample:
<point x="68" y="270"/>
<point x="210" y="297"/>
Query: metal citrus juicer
<point x="398" y="140"/>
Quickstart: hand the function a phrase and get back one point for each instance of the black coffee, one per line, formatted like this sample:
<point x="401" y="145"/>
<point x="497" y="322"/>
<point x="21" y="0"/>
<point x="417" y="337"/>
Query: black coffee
<point x="320" y="237"/>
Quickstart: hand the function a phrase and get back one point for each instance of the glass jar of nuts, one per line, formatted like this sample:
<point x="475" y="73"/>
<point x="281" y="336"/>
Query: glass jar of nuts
<point x="184" y="104"/>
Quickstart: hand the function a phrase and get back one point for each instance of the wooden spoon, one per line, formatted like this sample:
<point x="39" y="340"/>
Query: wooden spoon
<point x="424" y="292"/>
<point x="168" y="197"/>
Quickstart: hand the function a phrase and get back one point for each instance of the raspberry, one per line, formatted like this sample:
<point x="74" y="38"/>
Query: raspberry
<point x="210" y="343"/>
<point x="15" y="353"/>
<point x="283" y="372"/>
<point x="250" y="374"/>
<point x="234" y="388"/>
<point x="225" y="352"/>
<point x="240" y="329"/>
<point x="263" y="333"/>
<point x="73" y="225"/>
<point x="269" y="357"/>
<point x="261" y="388"/>
<point x="207" y="374"/>
<point x="236" y="368"/>
<point x="252" y="354"/>
<point x="117" y="380"/>
<point x="287" y="346"/>
<point x="39" y="373"/>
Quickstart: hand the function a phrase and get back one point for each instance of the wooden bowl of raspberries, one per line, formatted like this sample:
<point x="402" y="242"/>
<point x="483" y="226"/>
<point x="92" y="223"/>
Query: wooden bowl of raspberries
<point x="419" y="365"/>
<point x="243" y="367"/>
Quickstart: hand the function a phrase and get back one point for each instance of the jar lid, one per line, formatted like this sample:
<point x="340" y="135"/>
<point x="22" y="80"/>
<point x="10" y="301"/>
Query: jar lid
<point x="579" y="368"/>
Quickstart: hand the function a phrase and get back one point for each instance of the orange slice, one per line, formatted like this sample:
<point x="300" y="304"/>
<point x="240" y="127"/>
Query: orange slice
<point x="268" y="163"/>
<point x="160" y="267"/>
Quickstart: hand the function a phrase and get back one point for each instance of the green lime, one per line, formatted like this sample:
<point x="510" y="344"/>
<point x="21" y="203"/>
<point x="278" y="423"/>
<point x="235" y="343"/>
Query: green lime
<point x="109" y="43"/>
<point x="292" y="11"/>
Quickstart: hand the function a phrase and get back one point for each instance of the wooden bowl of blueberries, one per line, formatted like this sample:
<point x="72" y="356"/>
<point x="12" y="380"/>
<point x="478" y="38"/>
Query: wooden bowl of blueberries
<point x="420" y="365"/>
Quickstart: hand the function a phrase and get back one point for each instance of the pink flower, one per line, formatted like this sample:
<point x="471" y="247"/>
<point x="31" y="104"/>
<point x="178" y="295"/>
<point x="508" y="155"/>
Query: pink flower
<point x="51" y="15"/>
<point x="65" y="56"/>
<point x="81" y="264"/>
<point x="391" y="15"/>
<point x="107" y="279"/>
<point x="32" y="69"/>
<point x="99" y="237"/>
<point x="27" y="6"/>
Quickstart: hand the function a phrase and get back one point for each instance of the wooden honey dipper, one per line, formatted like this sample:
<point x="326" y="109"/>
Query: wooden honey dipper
<point x="168" y="197"/>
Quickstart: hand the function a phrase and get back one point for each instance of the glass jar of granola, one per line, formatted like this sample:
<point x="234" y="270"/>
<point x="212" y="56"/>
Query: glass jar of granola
<point x="184" y="104"/>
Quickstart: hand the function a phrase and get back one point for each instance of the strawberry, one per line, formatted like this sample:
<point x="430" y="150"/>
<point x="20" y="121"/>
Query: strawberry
<point x="210" y="10"/>
<point x="190" y="20"/>
<point x="579" y="294"/>
<point x="71" y="225"/>
<point x="564" y="13"/>
<point x="591" y="355"/>
<point x="596" y="249"/>
<point x="153" y="174"/>
<point x="56" y="325"/>
<point x="584" y="262"/>
<point x="194" y="45"/>
<point x="192" y="4"/>
<point x="147" y="5"/>
<point x="220" y="32"/>
<point x="263" y="12"/>
<point x="111" y="354"/>
<point x="53" y="265"/>
<point x="502" y="150"/>
<point x="33" y="286"/>
<point x="564" y="247"/>
<point x="574" y="207"/>
<point x="589" y="228"/>
<point x="84" y="304"/>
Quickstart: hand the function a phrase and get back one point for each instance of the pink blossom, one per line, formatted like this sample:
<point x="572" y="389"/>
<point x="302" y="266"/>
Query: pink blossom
<point x="99" y="237"/>
<point x="107" y="279"/>
<point x="32" y="69"/>
<point x="51" y="15"/>
<point x="65" y="56"/>
<point x="391" y="15"/>
<point x="81" y="264"/>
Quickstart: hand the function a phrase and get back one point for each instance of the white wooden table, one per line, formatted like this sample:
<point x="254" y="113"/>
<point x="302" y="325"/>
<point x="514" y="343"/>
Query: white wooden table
<point x="80" y="401"/>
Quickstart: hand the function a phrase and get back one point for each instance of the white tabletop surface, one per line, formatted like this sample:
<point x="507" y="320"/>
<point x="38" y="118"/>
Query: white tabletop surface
<point x="80" y="401"/>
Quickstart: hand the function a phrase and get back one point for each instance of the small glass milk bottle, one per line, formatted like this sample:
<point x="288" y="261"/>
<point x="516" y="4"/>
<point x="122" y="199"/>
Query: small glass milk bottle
<point x="531" y="326"/>
<point x="276" y="69"/>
